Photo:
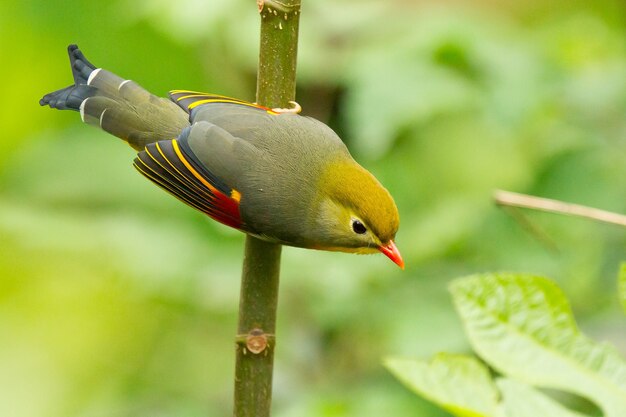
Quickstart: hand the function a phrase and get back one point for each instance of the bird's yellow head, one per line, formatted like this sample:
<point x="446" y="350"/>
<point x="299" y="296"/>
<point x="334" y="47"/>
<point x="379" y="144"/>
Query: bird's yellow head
<point x="356" y="213"/>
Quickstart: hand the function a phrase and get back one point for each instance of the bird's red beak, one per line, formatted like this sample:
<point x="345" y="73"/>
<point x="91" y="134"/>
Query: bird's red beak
<point x="392" y="253"/>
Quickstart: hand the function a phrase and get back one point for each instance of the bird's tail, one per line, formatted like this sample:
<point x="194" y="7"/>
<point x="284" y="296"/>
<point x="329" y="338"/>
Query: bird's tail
<point x="118" y="106"/>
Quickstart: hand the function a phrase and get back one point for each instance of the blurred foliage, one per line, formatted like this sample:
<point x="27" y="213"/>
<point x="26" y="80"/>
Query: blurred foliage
<point x="621" y="286"/>
<point x="523" y="327"/>
<point x="117" y="300"/>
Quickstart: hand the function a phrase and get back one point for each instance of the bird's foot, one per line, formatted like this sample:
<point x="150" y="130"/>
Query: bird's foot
<point x="296" y="109"/>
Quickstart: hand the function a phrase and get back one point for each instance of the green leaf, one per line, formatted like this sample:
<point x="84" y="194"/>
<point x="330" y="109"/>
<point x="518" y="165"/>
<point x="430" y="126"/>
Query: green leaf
<point x="622" y="286"/>
<point x="520" y="400"/>
<point x="523" y="326"/>
<point x="459" y="384"/>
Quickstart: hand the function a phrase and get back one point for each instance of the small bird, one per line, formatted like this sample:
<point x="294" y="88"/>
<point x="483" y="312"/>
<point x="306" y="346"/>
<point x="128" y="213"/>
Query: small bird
<point x="270" y="173"/>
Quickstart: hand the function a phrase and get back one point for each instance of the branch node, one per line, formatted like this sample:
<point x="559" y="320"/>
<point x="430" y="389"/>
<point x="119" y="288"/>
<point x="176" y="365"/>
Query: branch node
<point x="256" y="341"/>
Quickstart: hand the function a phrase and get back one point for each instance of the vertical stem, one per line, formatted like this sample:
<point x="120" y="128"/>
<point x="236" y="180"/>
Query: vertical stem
<point x="276" y="86"/>
<point x="276" y="78"/>
<point x="257" y="321"/>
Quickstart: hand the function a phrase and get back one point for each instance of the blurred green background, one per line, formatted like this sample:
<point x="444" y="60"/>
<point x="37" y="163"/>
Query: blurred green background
<point x="117" y="300"/>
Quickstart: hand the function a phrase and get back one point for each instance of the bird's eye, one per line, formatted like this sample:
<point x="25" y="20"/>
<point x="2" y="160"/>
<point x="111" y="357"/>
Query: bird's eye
<point x="358" y="227"/>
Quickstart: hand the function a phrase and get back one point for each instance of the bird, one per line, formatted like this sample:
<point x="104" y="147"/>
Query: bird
<point x="270" y="173"/>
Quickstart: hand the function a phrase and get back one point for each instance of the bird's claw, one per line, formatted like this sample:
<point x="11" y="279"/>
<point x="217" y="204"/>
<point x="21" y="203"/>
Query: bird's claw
<point x="296" y="109"/>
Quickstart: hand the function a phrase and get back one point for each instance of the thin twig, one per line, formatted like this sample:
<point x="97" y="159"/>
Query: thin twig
<point x="507" y="198"/>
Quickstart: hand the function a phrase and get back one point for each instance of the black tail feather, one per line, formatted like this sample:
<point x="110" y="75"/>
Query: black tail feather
<point x="70" y="98"/>
<point x="81" y="67"/>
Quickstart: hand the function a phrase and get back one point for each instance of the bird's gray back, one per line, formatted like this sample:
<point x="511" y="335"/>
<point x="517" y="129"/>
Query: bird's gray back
<point x="280" y="182"/>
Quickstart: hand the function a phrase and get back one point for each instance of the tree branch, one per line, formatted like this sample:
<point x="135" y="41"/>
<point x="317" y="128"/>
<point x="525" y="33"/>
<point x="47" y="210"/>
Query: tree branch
<point x="255" y="341"/>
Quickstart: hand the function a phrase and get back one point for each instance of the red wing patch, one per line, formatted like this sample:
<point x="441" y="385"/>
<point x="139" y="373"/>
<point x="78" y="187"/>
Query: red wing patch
<point x="167" y="165"/>
<point x="189" y="100"/>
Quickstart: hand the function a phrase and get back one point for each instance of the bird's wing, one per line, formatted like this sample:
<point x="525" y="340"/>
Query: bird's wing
<point x="174" y="166"/>
<point x="241" y="119"/>
<point x="190" y="100"/>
